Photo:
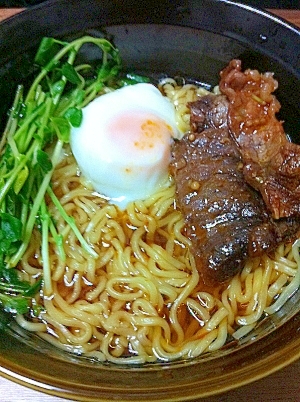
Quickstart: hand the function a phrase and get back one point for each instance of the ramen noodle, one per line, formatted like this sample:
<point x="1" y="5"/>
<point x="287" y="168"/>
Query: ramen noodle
<point x="141" y="300"/>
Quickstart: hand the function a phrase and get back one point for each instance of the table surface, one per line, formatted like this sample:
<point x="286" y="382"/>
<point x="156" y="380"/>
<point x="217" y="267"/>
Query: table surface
<point x="284" y="385"/>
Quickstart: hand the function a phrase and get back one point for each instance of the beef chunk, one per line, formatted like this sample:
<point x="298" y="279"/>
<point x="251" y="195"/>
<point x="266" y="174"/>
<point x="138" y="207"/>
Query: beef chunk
<point x="226" y="218"/>
<point x="271" y="162"/>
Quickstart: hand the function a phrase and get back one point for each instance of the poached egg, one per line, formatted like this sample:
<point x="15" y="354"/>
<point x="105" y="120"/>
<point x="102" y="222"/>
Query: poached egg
<point x="123" y="143"/>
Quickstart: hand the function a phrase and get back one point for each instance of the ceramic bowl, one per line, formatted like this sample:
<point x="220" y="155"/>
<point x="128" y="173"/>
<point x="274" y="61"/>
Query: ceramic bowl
<point x="191" y="38"/>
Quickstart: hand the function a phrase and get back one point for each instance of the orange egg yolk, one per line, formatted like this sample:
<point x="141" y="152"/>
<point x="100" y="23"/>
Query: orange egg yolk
<point x="139" y="132"/>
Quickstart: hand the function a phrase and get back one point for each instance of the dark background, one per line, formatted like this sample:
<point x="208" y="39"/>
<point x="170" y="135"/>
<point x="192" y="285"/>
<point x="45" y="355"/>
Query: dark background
<point x="295" y="4"/>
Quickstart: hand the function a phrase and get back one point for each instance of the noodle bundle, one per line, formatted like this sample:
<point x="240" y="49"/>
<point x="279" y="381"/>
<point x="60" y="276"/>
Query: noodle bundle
<point x="141" y="299"/>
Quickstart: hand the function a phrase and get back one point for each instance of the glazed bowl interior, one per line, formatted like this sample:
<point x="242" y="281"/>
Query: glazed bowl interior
<point x="189" y="39"/>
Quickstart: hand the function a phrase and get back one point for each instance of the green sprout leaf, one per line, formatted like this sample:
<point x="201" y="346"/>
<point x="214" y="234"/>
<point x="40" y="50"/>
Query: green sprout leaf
<point x="21" y="179"/>
<point x="47" y="50"/>
<point x="57" y="88"/>
<point x="74" y="116"/>
<point x="11" y="227"/>
<point x="62" y="128"/>
<point x="14" y="305"/>
<point x="70" y="73"/>
<point x="44" y="161"/>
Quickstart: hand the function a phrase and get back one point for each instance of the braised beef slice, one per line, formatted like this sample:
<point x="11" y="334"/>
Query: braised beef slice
<point x="271" y="162"/>
<point x="226" y="219"/>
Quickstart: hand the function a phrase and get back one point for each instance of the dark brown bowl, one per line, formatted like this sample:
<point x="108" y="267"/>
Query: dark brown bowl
<point x="191" y="38"/>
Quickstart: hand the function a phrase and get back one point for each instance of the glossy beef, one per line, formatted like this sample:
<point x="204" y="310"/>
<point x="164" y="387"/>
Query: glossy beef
<point x="226" y="219"/>
<point x="271" y="162"/>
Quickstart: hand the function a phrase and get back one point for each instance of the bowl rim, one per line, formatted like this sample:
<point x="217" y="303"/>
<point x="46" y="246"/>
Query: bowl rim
<point x="269" y="355"/>
<point x="266" y="365"/>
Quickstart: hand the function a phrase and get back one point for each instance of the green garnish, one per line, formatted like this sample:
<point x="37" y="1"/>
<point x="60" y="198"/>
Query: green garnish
<point x="42" y="117"/>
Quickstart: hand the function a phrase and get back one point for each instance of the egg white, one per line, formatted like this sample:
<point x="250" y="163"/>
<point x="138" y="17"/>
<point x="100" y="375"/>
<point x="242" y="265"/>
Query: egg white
<point x="123" y="144"/>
